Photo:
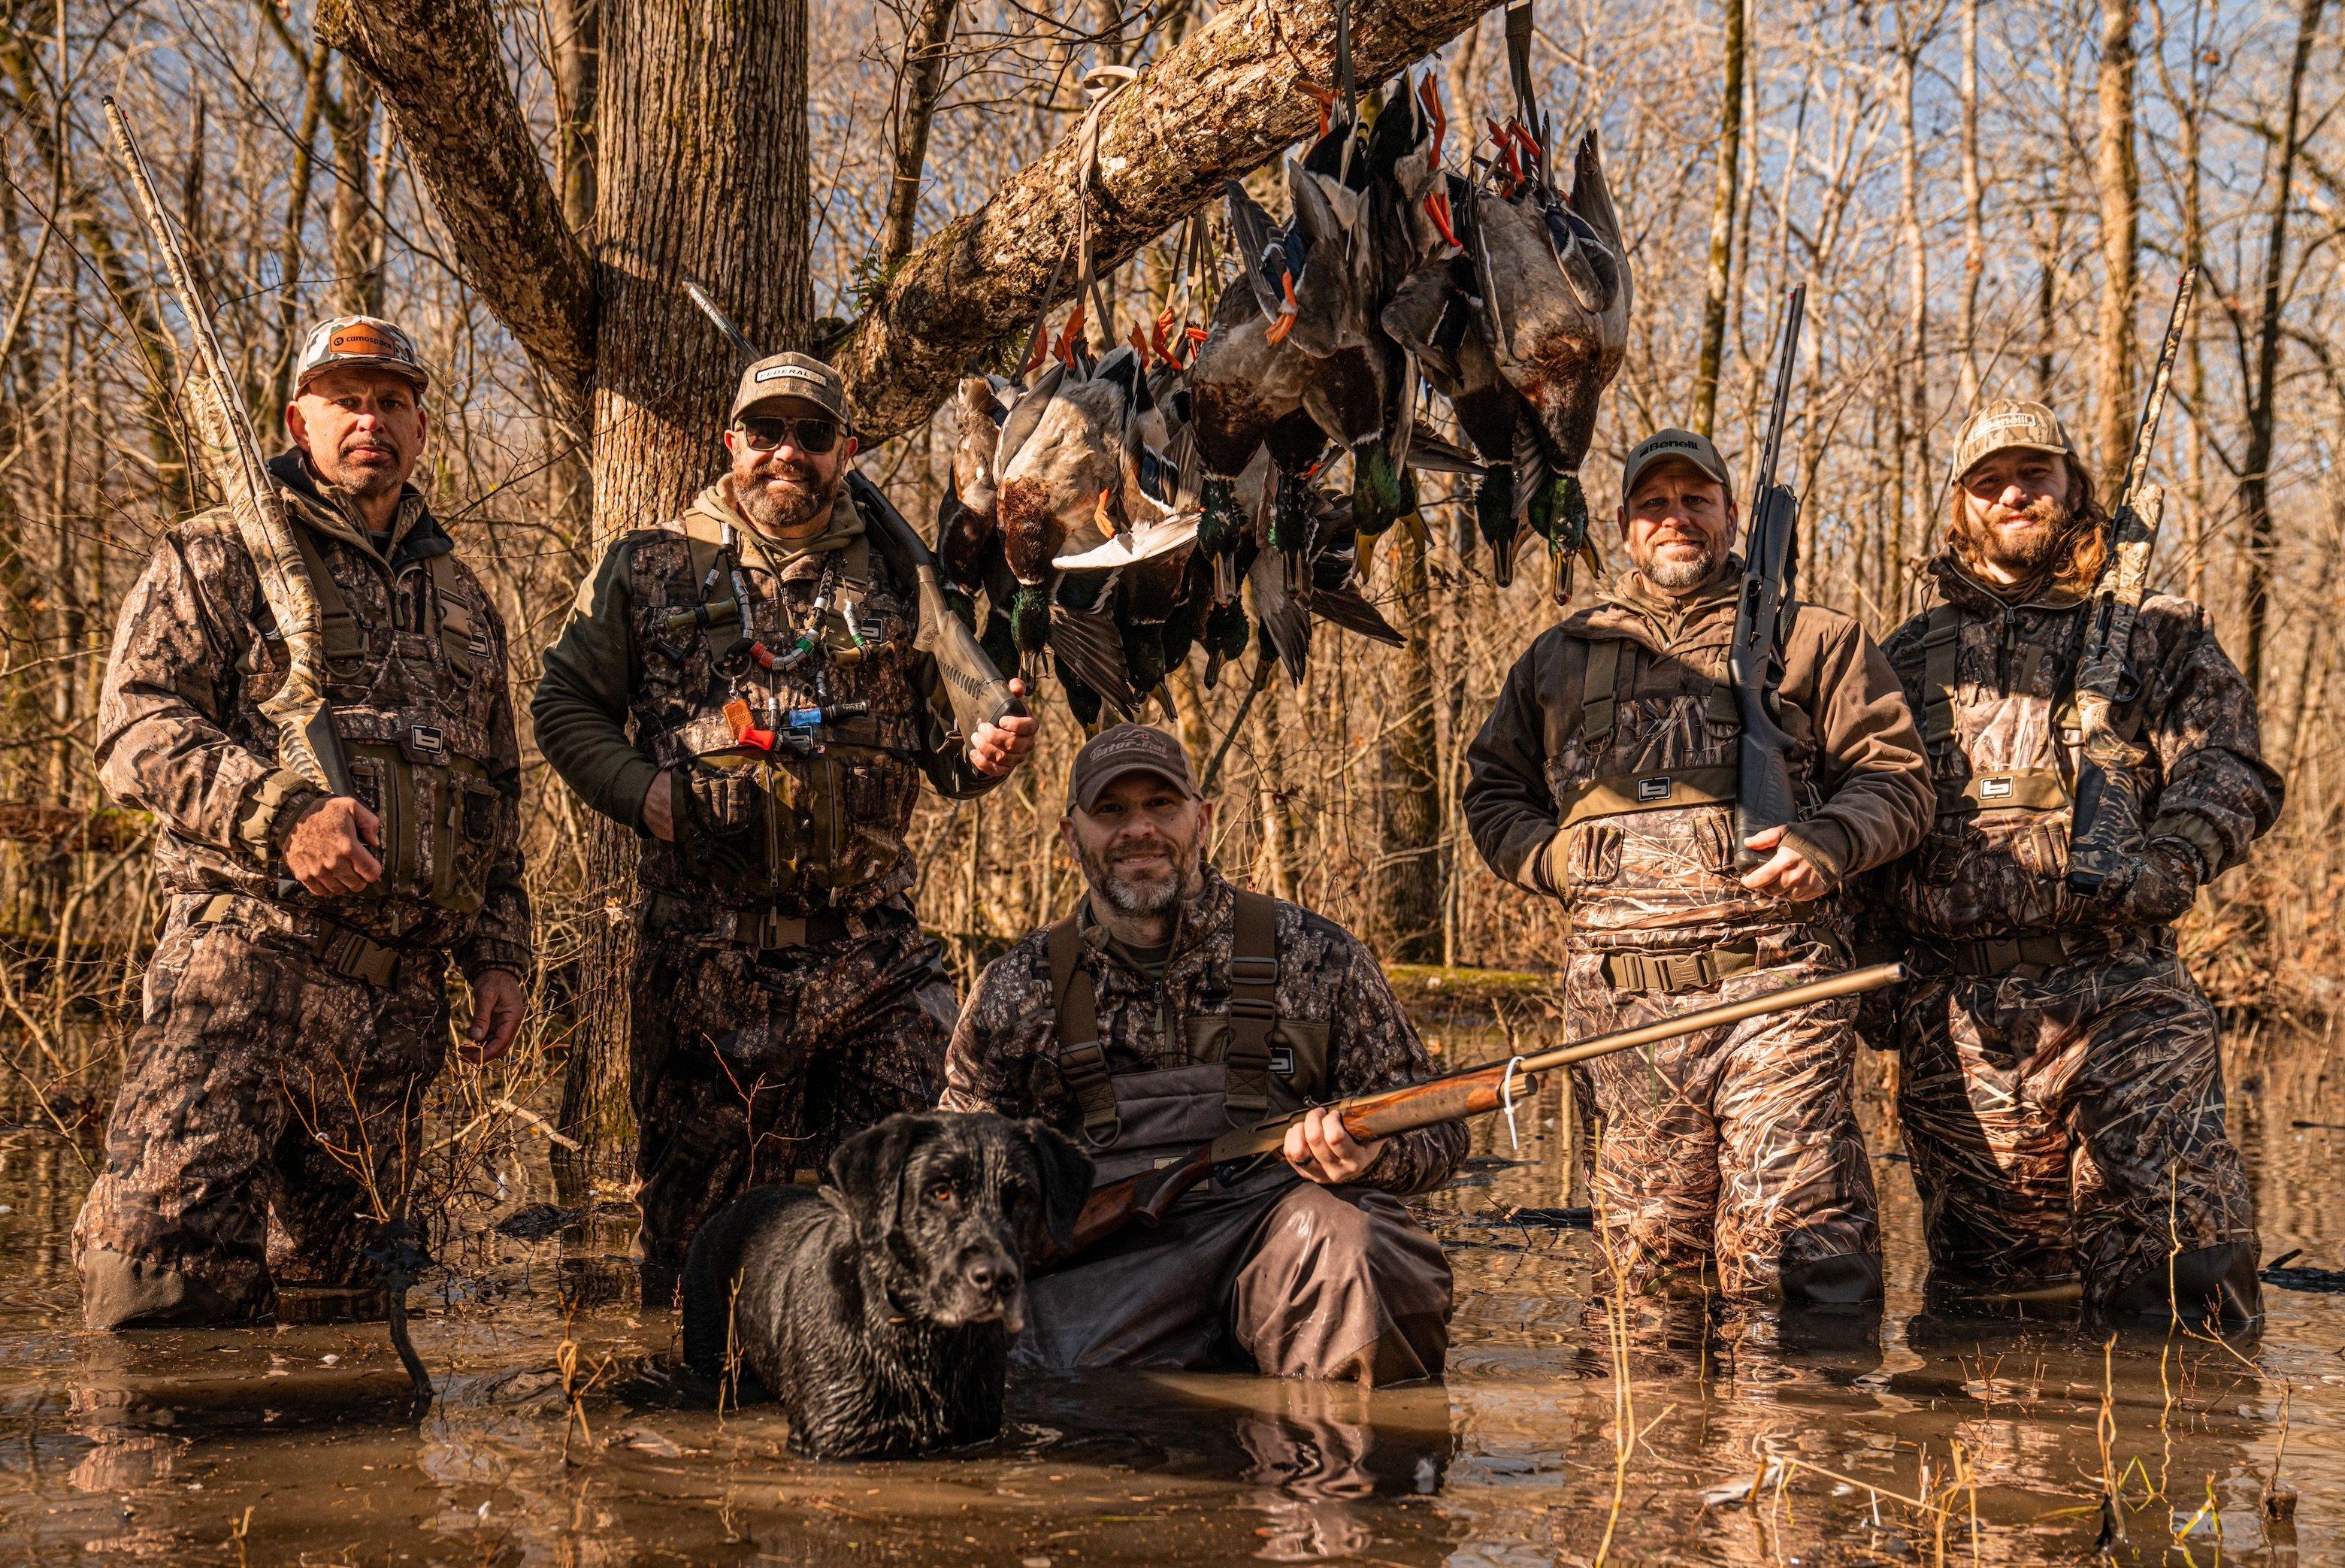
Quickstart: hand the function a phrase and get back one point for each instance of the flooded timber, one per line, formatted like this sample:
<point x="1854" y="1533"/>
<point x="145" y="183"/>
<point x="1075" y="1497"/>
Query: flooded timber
<point x="1940" y="1440"/>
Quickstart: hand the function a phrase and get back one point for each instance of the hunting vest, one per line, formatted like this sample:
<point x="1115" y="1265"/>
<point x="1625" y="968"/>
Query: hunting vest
<point x="410" y="708"/>
<point x="1644" y="772"/>
<point x="835" y="812"/>
<point x="1269" y="1061"/>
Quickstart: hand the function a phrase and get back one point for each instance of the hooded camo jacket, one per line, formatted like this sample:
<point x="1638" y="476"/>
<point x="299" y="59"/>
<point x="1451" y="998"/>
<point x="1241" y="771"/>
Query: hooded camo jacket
<point x="1991" y="873"/>
<point x="1004" y="1054"/>
<point x="1664" y="879"/>
<point x="180" y="732"/>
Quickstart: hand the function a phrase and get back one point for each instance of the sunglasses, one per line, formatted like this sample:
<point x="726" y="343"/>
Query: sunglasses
<point x="812" y="435"/>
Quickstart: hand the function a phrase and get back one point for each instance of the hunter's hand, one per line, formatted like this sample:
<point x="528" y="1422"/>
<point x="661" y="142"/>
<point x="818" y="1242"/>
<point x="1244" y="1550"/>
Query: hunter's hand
<point x="1789" y="875"/>
<point x="331" y="848"/>
<point x="659" y="809"/>
<point x="998" y="747"/>
<point x="1319" y="1148"/>
<point x="499" y="1005"/>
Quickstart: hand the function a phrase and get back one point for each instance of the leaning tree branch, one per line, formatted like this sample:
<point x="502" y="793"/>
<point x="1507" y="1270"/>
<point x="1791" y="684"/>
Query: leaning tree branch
<point x="1221" y="103"/>
<point x="437" y="66"/>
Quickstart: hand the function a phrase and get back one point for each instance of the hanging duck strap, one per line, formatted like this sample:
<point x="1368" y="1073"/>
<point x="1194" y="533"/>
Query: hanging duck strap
<point x="1252" y="1021"/>
<point x="1519" y="67"/>
<point x="2019" y="789"/>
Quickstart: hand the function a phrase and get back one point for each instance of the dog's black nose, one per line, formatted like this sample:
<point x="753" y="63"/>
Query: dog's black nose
<point x="996" y="1276"/>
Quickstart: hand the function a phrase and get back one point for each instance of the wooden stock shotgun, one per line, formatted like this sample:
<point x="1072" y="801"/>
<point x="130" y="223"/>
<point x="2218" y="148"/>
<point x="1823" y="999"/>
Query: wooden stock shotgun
<point x="1148" y="1197"/>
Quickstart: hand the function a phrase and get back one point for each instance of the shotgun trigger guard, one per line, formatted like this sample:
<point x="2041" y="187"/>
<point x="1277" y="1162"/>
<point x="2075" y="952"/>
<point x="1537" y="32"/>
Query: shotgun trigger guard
<point x="1506" y="1101"/>
<point x="1229" y="1172"/>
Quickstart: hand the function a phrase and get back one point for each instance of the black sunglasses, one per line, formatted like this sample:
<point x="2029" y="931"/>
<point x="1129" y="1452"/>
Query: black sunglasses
<point x="812" y="435"/>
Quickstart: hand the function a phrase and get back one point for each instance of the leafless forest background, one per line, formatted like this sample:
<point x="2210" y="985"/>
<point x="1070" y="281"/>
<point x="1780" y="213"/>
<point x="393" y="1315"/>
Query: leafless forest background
<point x="1983" y="196"/>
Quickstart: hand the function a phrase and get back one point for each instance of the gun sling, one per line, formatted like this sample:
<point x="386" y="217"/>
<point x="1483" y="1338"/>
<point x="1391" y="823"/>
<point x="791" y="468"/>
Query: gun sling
<point x="1243" y="1037"/>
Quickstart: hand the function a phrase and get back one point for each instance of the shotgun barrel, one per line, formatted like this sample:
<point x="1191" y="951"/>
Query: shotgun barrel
<point x="1454" y="1096"/>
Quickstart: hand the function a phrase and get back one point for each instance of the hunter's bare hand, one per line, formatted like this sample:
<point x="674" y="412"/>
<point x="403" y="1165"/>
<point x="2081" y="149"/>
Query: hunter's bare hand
<point x="998" y="747"/>
<point x="499" y="1005"/>
<point x="1319" y="1148"/>
<point x="1789" y="875"/>
<point x="333" y="846"/>
<point x="659" y="809"/>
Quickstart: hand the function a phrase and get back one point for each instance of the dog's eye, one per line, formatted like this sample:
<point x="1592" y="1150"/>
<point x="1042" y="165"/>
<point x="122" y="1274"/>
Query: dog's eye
<point x="940" y="1193"/>
<point x="1013" y="1197"/>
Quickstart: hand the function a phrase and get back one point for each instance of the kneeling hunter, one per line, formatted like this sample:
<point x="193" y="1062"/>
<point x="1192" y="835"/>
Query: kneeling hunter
<point x="1169" y="1008"/>
<point x="1606" y="777"/>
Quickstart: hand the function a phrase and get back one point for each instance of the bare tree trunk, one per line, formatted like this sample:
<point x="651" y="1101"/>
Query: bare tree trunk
<point x="355" y="220"/>
<point x="927" y="48"/>
<point x="1722" y="226"/>
<point x="1913" y="461"/>
<point x="269" y="404"/>
<point x="1274" y="859"/>
<point x="2118" y="177"/>
<point x="2255" y="481"/>
<point x="2047" y="296"/>
<point x="1409" y="880"/>
<point x="1974" y="212"/>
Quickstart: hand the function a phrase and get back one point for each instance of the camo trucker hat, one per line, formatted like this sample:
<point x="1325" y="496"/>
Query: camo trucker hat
<point x="1122" y="750"/>
<point x="362" y="342"/>
<point x="2007" y="422"/>
<point x="1683" y="446"/>
<point x="801" y="376"/>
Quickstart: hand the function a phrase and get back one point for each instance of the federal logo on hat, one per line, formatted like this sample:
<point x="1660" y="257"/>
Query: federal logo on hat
<point x="800" y="376"/>
<point x="342" y="342"/>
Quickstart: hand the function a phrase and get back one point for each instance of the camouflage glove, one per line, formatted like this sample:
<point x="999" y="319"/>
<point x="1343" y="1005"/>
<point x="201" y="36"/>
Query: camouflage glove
<point x="2159" y="888"/>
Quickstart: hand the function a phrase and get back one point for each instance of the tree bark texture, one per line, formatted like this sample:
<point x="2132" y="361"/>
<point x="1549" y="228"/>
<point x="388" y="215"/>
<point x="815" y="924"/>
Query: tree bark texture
<point x="927" y="47"/>
<point x="1721" y="227"/>
<point x="2255" y="479"/>
<point x="1223" y="101"/>
<point x="2117" y="175"/>
<point x="1409" y="881"/>
<point x="1974" y="210"/>
<point x="437" y="67"/>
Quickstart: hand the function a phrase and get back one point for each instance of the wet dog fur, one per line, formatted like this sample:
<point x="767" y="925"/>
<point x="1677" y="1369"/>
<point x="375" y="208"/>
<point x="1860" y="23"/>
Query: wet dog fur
<point x="877" y="1308"/>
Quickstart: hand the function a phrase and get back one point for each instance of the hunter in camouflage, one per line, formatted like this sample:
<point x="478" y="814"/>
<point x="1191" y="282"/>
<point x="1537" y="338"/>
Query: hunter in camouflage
<point x="1171" y="1007"/>
<point x="296" y="1008"/>
<point x="1605" y="777"/>
<point x="783" y="994"/>
<point x="2061" y="1088"/>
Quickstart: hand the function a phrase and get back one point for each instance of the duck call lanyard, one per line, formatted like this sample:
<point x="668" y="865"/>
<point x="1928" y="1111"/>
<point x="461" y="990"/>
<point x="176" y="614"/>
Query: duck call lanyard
<point x="780" y="721"/>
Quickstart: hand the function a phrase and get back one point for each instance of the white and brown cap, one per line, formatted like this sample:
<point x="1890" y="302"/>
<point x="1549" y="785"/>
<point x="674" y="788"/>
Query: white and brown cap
<point x="358" y="343"/>
<point x="1122" y="750"/>
<point x="800" y="376"/>
<point x="1674" y="447"/>
<point x="2003" y="422"/>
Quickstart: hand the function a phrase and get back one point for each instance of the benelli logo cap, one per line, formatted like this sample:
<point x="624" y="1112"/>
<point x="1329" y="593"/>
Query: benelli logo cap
<point x="1673" y="445"/>
<point x="800" y="377"/>
<point x="2007" y="422"/>
<point x="358" y="341"/>
<point x="1122" y="749"/>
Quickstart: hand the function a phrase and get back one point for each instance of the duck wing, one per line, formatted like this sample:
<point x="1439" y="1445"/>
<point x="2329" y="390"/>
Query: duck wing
<point x="1261" y="246"/>
<point x="1024" y="414"/>
<point x="1283" y="619"/>
<point x="1131" y="546"/>
<point x="1087" y="646"/>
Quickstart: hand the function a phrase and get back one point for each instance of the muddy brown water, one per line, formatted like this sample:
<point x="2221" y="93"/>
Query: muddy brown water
<point x="1935" y="1440"/>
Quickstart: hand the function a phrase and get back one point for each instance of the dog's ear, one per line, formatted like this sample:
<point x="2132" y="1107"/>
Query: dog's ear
<point x="867" y="1170"/>
<point x="1066" y="1179"/>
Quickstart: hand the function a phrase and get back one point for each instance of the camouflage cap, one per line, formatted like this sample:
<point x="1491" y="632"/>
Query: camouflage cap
<point x="2007" y="422"/>
<point x="801" y="376"/>
<point x="1683" y="445"/>
<point x="357" y="342"/>
<point x="1122" y="750"/>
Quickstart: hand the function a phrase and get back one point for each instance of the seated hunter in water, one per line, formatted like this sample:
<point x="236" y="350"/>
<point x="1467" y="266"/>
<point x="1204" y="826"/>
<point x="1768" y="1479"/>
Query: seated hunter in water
<point x="1168" y="1009"/>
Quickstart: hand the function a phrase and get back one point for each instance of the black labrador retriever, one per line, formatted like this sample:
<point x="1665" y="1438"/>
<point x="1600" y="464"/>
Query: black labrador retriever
<point x="877" y="1308"/>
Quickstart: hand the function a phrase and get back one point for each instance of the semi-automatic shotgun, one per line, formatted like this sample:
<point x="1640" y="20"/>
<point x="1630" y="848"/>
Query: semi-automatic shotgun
<point x="1148" y="1197"/>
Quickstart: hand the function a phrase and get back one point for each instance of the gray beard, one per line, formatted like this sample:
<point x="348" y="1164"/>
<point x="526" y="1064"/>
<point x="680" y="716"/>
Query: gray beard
<point x="1679" y="575"/>
<point x="1141" y="900"/>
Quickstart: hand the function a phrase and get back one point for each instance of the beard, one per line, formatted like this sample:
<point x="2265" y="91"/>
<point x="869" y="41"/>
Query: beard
<point x="1678" y="572"/>
<point x="800" y="500"/>
<point x="366" y="481"/>
<point x="1142" y="897"/>
<point x="2025" y="551"/>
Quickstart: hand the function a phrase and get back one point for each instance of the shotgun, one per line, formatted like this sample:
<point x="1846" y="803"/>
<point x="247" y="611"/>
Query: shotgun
<point x="306" y="742"/>
<point x="2104" y="828"/>
<point x="973" y="686"/>
<point x="1754" y="662"/>
<point x="1148" y="1197"/>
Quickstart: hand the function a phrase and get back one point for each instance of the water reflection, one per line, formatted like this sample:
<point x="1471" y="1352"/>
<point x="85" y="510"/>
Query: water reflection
<point x="1752" y="1439"/>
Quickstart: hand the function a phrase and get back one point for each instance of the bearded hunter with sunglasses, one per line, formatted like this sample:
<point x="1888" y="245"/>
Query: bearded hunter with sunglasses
<point x="739" y="685"/>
